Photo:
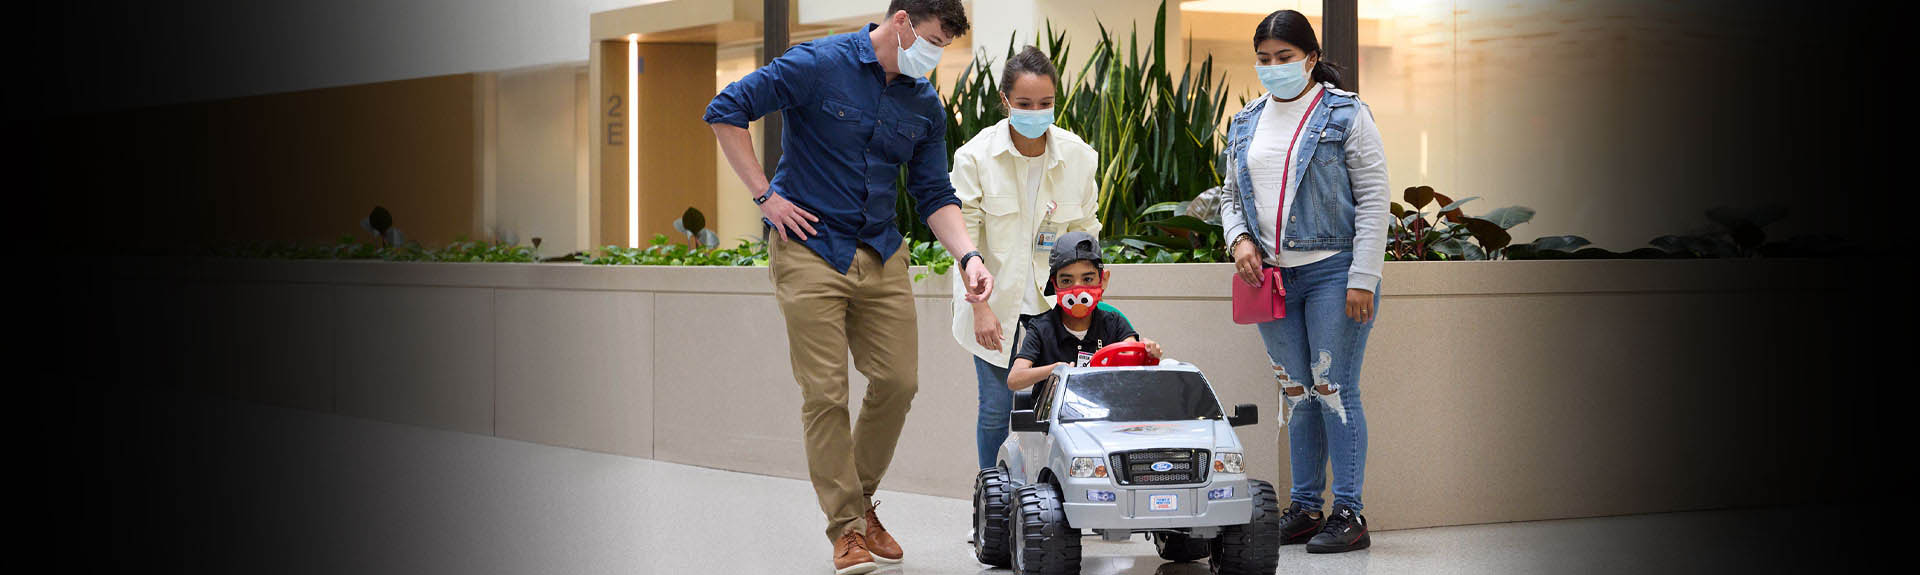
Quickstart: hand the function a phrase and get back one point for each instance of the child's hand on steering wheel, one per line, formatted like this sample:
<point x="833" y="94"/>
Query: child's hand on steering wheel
<point x="1153" y="348"/>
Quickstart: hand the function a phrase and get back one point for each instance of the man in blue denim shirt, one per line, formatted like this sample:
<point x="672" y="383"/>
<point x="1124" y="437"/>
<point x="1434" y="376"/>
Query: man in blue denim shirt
<point x="857" y="108"/>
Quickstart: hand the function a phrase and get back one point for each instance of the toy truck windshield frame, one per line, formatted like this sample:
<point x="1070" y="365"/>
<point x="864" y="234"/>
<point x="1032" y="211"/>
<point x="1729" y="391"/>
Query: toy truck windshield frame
<point x="1137" y="395"/>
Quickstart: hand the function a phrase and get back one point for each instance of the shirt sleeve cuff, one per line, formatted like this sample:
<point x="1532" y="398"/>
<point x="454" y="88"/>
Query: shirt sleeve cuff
<point x="926" y="211"/>
<point x="1233" y="231"/>
<point x="1357" y="280"/>
<point x="732" y="118"/>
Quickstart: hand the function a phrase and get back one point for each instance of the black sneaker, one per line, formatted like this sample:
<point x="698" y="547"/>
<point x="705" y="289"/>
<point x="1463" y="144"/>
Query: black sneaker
<point x="1345" y="531"/>
<point x="1298" y="524"/>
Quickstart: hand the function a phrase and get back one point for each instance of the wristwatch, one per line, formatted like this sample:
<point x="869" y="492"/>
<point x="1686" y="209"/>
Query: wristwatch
<point x="963" y="259"/>
<point x="763" y="197"/>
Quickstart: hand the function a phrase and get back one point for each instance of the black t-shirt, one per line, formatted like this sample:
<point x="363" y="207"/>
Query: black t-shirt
<point x="1045" y="340"/>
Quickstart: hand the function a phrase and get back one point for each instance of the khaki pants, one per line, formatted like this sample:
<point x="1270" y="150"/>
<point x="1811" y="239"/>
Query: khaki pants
<point x="870" y="311"/>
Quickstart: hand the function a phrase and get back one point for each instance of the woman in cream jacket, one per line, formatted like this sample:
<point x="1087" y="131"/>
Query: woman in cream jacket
<point x="1021" y="182"/>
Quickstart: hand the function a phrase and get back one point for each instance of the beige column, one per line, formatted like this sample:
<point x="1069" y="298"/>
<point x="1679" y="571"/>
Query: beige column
<point x="661" y="121"/>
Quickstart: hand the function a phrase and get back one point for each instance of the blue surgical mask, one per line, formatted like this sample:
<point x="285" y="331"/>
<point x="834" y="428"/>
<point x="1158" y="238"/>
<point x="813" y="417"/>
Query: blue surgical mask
<point x="1284" y="80"/>
<point x="1030" y="123"/>
<point x="922" y="58"/>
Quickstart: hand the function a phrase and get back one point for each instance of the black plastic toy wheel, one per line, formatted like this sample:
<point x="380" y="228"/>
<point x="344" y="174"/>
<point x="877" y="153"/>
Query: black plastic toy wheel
<point x="1254" y="547"/>
<point x="992" y="503"/>
<point x="1043" y="543"/>
<point x="1181" y="547"/>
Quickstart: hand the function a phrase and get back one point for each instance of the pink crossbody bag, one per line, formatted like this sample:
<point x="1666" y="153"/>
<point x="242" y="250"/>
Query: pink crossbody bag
<point x="1268" y="301"/>
<point x="1259" y="304"/>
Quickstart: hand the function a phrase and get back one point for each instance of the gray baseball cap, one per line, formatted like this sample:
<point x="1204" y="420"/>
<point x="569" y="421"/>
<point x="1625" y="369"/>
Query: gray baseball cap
<point x="1071" y="247"/>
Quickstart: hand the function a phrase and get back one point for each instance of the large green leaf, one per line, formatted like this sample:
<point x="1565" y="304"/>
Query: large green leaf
<point x="1175" y="208"/>
<point x="1509" y="217"/>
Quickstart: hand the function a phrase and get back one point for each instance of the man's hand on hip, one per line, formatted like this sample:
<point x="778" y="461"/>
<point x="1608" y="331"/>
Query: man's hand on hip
<point x="788" y="218"/>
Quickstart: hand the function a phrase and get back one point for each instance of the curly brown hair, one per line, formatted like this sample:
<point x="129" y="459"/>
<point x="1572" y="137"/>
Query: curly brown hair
<point x="953" y="16"/>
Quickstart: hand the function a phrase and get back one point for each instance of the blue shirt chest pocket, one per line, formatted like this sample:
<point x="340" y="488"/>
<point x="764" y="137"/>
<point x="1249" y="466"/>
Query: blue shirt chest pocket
<point x="843" y="122"/>
<point x="895" y="137"/>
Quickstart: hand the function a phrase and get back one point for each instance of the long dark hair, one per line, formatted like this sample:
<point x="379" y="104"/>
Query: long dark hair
<point x="1292" y="27"/>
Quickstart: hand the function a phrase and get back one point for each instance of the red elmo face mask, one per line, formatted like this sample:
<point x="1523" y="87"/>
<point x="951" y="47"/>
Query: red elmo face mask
<point x="1078" y="301"/>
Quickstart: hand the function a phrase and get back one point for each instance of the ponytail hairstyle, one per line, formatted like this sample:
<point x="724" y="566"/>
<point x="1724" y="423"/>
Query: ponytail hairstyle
<point x="1292" y="27"/>
<point x="1029" y="61"/>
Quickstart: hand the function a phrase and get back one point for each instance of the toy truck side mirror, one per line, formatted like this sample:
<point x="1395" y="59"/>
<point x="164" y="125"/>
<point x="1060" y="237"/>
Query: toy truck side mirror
<point x="1023" y="420"/>
<point x="1244" y="415"/>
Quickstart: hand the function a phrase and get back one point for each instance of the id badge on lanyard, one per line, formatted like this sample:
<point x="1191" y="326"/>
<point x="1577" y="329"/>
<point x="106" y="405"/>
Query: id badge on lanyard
<point x="1044" y="238"/>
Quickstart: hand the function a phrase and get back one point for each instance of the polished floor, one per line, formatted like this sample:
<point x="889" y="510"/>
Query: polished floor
<point x="289" y="491"/>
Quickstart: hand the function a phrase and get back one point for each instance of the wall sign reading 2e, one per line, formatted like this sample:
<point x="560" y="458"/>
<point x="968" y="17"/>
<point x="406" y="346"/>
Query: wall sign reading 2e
<point x="616" y="120"/>
<point x="617" y="103"/>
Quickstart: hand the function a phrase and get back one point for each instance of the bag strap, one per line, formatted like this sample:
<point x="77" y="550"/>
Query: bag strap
<point x="1286" y="171"/>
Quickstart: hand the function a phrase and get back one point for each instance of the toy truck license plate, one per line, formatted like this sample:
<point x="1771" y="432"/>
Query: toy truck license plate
<point x="1163" y="502"/>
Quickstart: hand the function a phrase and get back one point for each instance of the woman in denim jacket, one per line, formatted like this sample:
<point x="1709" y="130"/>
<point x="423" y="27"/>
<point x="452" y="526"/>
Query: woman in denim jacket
<point x="1309" y="151"/>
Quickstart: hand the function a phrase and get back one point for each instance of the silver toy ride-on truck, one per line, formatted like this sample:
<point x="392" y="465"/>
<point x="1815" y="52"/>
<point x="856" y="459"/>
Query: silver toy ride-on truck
<point x="1126" y="445"/>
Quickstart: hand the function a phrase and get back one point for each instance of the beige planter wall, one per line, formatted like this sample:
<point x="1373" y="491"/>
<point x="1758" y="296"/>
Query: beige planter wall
<point x="1496" y="391"/>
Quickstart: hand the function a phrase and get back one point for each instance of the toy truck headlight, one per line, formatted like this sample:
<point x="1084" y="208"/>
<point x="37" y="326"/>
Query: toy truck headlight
<point x="1227" y="462"/>
<point x="1086" y="467"/>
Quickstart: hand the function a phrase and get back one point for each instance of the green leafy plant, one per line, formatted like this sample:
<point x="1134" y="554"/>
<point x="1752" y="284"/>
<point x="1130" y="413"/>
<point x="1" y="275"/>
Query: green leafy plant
<point x="1444" y="233"/>
<point x="661" y="251"/>
<point x="1157" y="137"/>
<point x="930" y="254"/>
<point x="474" y="251"/>
<point x="1182" y="237"/>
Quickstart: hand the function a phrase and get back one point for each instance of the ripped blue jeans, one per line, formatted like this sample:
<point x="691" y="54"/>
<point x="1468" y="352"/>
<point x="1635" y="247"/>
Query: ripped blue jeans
<point x="1315" y="353"/>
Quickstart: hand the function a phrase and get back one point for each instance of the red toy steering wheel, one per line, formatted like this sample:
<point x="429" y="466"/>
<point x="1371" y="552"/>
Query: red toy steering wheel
<point x="1123" y="354"/>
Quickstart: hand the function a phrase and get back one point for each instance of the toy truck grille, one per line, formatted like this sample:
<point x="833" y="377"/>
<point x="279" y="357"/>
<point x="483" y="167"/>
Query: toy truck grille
<point x="1173" y="466"/>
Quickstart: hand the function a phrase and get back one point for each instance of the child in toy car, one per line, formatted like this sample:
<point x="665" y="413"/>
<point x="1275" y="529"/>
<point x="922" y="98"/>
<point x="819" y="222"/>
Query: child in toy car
<point x="1071" y="332"/>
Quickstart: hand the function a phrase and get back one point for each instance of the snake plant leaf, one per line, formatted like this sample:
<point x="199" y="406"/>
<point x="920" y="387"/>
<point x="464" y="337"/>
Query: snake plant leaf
<point x="1175" y="208"/>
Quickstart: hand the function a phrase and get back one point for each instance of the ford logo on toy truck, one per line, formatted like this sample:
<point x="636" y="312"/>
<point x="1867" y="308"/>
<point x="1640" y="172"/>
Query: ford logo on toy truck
<point x="1126" y="445"/>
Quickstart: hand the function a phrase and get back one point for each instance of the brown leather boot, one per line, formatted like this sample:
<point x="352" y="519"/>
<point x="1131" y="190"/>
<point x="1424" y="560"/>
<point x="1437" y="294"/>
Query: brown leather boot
<point x="850" y="554"/>
<point x="879" y="543"/>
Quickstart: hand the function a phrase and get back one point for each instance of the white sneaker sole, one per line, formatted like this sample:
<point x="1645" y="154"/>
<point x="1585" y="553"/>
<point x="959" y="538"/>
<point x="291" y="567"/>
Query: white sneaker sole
<point x="858" y="568"/>
<point x="886" y="561"/>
